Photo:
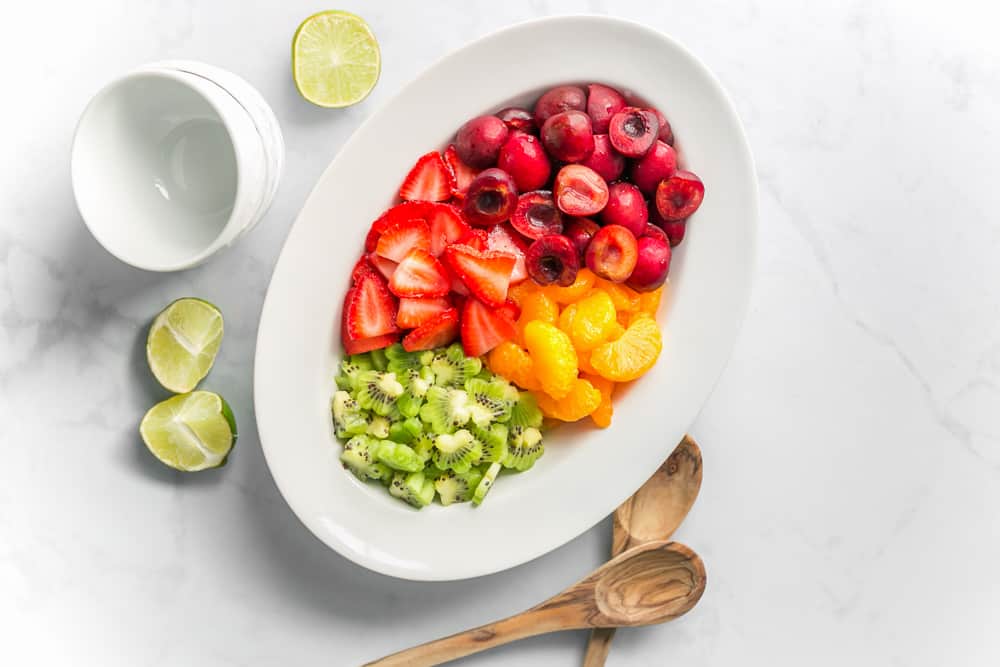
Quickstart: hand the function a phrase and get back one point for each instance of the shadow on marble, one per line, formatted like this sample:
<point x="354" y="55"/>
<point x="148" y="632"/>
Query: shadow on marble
<point x="330" y="585"/>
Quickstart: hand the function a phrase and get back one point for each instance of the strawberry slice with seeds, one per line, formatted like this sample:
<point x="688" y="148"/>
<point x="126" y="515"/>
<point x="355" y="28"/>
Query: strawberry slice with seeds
<point x="368" y="344"/>
<point x="415" y="311"/>
<point x="503" y="238"/>
<point x="362" y="268"/>
<point x="401" y="237"/>
<point x="457" y="286"/>
<point x="419" y="274"/>
<point x="385" y="266"/>
<point x="429" y="180"/>
<point x="486" y="274"/>
<point x="475" y="238"/>
<point x="462" y="172"/>
<point x="446" y="225"/>
<point x="408" y="210"/>
<point x="435" y="332"/>
<point x="510" y="310"/>
<point x="369" y="309"/>
<point x="484" y="327"/>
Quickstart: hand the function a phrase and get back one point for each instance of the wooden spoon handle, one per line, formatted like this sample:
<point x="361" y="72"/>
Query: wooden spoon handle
<point x="598" y="647"/>
<point x="527" y="624"/>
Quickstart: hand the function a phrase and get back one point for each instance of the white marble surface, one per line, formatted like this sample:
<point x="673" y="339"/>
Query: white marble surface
<point x="852" y="482"/>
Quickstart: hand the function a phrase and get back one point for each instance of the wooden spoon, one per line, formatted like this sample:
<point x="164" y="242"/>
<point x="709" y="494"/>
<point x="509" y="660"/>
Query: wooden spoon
<point x="652" y="513"/>
<point x="652" y="583"/>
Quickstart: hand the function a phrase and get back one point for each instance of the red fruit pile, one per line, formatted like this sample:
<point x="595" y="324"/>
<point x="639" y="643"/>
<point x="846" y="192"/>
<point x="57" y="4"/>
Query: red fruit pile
<point x="582" y="180"/>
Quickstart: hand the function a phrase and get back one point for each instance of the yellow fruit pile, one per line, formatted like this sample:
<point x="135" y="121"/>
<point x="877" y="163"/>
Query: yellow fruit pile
<point x="574" y="343"/>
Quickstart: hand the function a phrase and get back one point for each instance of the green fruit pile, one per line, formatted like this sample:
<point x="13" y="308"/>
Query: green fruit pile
<point x="434" y="423"/>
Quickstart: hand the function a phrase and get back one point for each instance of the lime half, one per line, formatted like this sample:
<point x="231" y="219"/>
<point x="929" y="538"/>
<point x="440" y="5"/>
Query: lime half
<point x="190" y="432"/>
<point x="335" y="59"/>
<point x="182" y="343"/>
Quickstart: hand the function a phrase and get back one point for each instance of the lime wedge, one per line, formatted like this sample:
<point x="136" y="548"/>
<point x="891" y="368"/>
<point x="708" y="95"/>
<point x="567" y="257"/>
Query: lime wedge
<point x="190" y="432"/>
<point x="335" y="59"/>
<point x="182" y="343"/>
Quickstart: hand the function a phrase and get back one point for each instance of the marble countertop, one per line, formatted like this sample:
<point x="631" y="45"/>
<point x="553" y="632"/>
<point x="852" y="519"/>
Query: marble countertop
<point x="852" y="517"/>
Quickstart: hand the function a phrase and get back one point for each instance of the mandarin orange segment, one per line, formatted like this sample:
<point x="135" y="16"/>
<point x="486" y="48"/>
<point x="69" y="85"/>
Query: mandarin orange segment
<point x="566" y="318"/>
<point x="583" y="363"/>
<point x="624" y="298"/>
<point x="517" y="292"/>
<point x="649" y="302"/>
<point x="594" y="320"/>
<point x="585" y="279"/>
<point x="616" y="330"/>
<point x="601" y="416"/>
<point x="581" y="400"/>
<point x="513" y="362"/>
<point x="631" y="355"/>
<point x="536" y="306"/>
<point x="554" y="357"/>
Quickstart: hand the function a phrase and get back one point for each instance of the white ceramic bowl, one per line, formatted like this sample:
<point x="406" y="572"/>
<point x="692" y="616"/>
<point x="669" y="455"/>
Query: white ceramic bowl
<point x="586" y="472"/>
<point x="169" y="166"/>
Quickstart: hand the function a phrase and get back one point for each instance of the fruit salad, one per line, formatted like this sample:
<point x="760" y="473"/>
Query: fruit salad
<point x="512" y="288"/>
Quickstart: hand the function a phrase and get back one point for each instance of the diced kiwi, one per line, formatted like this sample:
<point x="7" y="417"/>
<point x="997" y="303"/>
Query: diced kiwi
<point x="348" y="417"/>
<point x="378" y="427"/>
<point x="493" y="440"/>
<point x="412" y="487"/>
<point x="379" y="361"/>
<point x="452" y="368"/>
<point x="453" y="487"/>
<point x="524" y="447"/>
<point x="423" y="445"/>
<point x="398" y="456"/>
<point x="415" y="389"/>
<point x="458" y="451"/>
<point x="405" y="431"/>
<point x="350" y="368"/>
<point x="359" y="458"/>
<point x="489" y="401"/>
<point x="525" y="411"/>
<point x="444" y="410"/>
<point x="378" y="391"/>
<point x="400" y="361"/>
<point x="486" y="483"/>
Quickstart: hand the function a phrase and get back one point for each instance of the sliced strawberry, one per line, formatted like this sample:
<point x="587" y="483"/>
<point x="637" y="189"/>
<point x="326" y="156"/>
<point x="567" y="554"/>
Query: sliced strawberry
<point x="414" y="311"/>
<point x="429" y="180"/>
<point x="486" y="274"/>
<point x="369" y="309"/>
<point x="483" y="327"/>
<point x="401" y="237"/>
<point x="510" y="310"/>
<point x="367" y="344"/>
<point x="408" y="210"/>
<point x="385" y="266"/>
<point x="457" y="286"/>
<point x="435" y="332"/>
<point x="462" y="172"/>
<point x="475" y="238"/>
<point x="360" y="269"/>
<point x="419" y="274"/>
<point x="446" y="225"/>
<point x="503" y="238"/>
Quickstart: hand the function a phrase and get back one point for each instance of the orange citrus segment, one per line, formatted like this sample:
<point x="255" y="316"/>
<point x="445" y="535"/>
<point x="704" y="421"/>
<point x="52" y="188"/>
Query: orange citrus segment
<point x="511" y="361"/>
<point x="580" y="401"/>
<point x="631" y="355"/>
<point x="585" y="279"/>
<point x="554" y="357"/>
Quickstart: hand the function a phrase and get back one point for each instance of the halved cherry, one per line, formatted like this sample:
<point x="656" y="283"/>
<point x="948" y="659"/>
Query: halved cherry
<point x="580" y="190"/>
<point x="536" y="215"/>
